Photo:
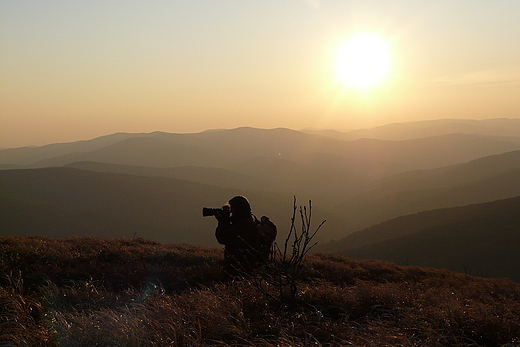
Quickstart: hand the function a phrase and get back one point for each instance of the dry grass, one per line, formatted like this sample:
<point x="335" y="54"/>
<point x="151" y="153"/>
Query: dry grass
<point x="100" y="292"/>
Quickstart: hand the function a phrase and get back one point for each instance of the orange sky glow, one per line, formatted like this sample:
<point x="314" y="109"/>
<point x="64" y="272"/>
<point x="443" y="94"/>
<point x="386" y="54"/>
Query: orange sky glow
<point x="76" y="70"/>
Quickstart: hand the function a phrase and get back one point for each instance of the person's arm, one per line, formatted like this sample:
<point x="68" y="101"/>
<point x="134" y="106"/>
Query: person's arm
<point x="225" y="230"/>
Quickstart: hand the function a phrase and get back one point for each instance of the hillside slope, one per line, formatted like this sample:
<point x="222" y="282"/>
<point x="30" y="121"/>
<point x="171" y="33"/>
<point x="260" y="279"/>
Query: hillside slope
<point x="482" y="180"/>
<point x="207" y="175"/>
<point x="33" y="154"/>
<point x="73" y="202"/>
<point x="134" y="292"/>
<point x="480" y="238"/>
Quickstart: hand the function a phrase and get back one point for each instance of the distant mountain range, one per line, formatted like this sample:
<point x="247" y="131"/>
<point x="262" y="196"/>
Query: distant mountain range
<point x="419" y="129"/>
<point x="324" y="169"/>
<point x="154" y="185"/>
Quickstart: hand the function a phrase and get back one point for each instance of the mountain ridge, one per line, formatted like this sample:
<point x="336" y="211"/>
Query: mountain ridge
<point x="222" y="147"/>
<point x="427" y="128"/>
<point x="154" y="184"/>
<point x="165" y="209"/>
<point x="453" y="238"/>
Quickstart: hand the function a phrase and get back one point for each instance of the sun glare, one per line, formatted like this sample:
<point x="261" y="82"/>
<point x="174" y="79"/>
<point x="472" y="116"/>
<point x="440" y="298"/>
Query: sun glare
<point x="362" y="61"/>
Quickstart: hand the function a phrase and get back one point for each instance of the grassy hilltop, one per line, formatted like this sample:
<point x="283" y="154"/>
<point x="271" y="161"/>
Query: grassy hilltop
<point x="122" y="292"/>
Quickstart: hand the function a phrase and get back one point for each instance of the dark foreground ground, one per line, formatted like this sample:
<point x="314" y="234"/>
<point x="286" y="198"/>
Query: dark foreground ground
<point x="118" y="292"/>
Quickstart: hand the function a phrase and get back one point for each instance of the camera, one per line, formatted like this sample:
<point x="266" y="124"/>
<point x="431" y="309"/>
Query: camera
<point x="211" y="211"/>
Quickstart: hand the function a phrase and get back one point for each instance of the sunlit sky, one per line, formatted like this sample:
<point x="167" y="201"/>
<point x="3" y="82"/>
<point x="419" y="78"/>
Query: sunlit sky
<point x="73" y="70"/>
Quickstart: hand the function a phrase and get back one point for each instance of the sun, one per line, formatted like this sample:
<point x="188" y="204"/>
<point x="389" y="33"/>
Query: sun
<point x="362" y="61"/>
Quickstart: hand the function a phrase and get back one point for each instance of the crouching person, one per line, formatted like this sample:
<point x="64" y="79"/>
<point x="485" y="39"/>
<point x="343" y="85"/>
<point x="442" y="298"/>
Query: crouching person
<point x="236" y="230"/>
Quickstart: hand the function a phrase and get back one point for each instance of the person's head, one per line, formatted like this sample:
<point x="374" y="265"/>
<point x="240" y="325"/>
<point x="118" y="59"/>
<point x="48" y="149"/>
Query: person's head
<point x="240" y="206"/>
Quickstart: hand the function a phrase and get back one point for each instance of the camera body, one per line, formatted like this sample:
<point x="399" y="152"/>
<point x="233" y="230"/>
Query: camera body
<point x="211" y="211"/>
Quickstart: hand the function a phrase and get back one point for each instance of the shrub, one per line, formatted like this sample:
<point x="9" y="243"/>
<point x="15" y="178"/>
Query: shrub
<point x="284" y="270"/>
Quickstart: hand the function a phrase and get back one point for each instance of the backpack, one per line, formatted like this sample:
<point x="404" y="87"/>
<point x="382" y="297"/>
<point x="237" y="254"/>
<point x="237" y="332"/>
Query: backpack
<point x="265" y="235"/>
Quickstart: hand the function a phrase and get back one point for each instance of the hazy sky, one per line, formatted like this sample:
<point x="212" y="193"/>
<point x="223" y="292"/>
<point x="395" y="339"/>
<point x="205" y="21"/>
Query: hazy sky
<point x="74" y="70"/>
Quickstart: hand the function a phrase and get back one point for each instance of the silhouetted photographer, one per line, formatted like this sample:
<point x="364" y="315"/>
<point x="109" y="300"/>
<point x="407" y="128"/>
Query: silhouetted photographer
<point x="237" y="231"/>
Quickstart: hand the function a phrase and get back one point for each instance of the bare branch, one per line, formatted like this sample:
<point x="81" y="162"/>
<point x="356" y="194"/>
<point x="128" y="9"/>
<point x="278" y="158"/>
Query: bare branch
<point x="283" y="271"/>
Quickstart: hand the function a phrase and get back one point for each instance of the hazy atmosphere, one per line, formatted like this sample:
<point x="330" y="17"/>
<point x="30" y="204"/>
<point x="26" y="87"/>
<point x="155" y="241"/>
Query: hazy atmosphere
<point x="260" y="173"/>
<point x="77" y="70"/>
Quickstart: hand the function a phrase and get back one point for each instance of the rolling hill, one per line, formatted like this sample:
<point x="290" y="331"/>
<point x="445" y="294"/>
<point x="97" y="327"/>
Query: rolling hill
<point x="482" y="180"/>
<point x="62" y="201"/>
<point x="153" y="185"/>
<point x="33" y="154"/>
<point x="485" y="179"/>
<point x="316" y="167"/>
<point x="480" y="238"/>
<point x="207" y="175"/>
<point x="227" y="147"/>
<point x="420" y="129"/>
